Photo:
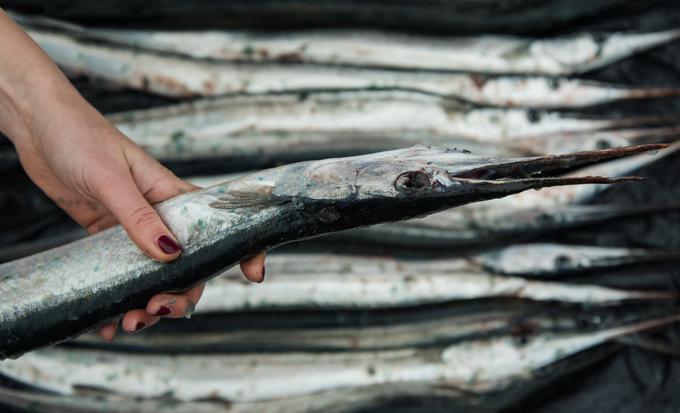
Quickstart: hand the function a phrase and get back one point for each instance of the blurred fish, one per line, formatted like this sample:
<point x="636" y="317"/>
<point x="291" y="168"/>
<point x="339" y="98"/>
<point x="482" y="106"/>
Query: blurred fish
<point x="483" y="366"/>
<point x="59" y="294"/>
<point x="448" y="325"/>
<point x="417" y="284"/>
<point x="566" y="55"/>
<point x="546" y="260"/>
<point x="505" y="91"/>
<point x="466" y="227"/>
<point x="255" y="131"/>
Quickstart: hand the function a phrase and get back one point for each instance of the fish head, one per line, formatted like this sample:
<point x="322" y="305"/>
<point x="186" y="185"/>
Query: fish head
<point x="419" y="180"/>
<point x="452" y="176"/>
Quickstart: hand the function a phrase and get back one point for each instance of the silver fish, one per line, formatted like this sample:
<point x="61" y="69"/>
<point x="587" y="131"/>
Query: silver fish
<point x="566" y="55"/>
<point x="60" y="293"/>
<point x="546" y="260"/>
<point x="401" y="329"/>
<point x="280" y="128"/>
<point x="406" y="285"/>
<point x="478" y="366"/>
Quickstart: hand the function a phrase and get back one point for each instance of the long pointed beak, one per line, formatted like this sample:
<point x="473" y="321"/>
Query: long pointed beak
<point x="538" y="172"/>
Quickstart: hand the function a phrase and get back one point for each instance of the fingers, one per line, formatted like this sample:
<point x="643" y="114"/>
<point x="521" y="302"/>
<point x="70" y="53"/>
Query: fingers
<point x="137" y="320"/>
<point x="142" y="223"/>
<point x="108" y="332"/>
<point x="175" y="305"/>
<point x="254" y="269"/>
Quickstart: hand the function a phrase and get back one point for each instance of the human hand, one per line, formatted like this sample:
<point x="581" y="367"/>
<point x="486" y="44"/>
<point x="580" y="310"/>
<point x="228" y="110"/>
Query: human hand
<point x="90" y="169"/>
<point x="101" y="178"/>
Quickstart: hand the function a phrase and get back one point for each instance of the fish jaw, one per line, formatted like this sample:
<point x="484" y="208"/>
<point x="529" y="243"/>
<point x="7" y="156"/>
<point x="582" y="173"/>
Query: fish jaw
<point x="456" y="177"/>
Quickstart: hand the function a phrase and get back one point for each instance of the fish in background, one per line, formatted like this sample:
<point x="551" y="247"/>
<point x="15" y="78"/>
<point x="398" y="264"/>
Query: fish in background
<point x="471" y="370"/>
<point x="492" y="54"/>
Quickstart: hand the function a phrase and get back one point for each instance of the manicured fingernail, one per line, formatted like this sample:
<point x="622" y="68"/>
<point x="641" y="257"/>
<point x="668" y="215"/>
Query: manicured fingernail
<point x="168" y="245"/>
<point x="139" y="327"/>
<point x="163" y="310"/>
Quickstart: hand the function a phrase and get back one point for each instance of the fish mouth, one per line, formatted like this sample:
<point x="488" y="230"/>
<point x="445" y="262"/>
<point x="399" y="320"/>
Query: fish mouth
<point x="516" y="175"/>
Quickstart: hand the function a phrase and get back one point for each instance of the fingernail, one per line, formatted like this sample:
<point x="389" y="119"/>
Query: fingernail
<point x="163" y="310"/>
<point x="139" y="327"/>
<point x="168" y="245"/>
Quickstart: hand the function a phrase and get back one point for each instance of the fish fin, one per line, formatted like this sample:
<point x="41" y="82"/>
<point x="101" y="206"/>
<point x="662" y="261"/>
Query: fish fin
<point x="241" y="199"/>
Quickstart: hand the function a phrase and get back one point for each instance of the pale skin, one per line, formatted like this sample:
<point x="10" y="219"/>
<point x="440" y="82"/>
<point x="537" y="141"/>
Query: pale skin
<point x="90" y="169"/>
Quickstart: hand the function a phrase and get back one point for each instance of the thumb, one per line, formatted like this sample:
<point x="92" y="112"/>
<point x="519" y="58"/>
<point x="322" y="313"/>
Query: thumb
<point x="142" y="223"/>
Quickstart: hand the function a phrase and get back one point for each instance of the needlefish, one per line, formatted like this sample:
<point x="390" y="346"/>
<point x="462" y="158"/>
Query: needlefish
<point x="63" y="292"/>
<point x="253" y="130"/>
<point x="481" y="366"/>
<point x="549" y="260"/>
<point x="566" y="55"/>
<point x="183" y="76"/>
<point x="449" y="323"/>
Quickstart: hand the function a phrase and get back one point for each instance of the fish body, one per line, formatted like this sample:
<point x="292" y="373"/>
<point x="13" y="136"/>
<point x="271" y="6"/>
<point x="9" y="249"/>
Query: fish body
<point x="477" y="366"/>
<point x="464" y="227"/>
<point x="60" y="293"/>
<point x="174" y="75"/>
<point x="259" y="130"/>
<point x="546" y="260"/>
<point x="566" y="55"/>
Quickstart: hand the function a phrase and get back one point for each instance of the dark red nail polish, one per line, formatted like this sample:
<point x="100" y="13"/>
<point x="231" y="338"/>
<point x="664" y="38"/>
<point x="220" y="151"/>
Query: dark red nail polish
<point x="163" y="310"/>
<point x="139" y="327"/>
<point x="168" y="245"/>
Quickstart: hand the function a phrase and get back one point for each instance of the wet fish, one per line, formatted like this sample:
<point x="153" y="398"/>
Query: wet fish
<point x="469" y="226"/>
<point x="59" y="294"/>
<point x="546" y="260"/>
<point x="255" y="131"/>
<point x="444" y="281"/>
<point x="566" y="55"/>
<point x="448" y="325"/>
<point x="478" y="366"/>
<point x="181" y="76"/>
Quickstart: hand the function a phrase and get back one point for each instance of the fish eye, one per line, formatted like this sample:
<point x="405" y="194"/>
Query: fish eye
<point x="603" y="144"/>
<point x="412" y="181"/>
<point x="563" y="262"/>
<point x="533" y="116"/>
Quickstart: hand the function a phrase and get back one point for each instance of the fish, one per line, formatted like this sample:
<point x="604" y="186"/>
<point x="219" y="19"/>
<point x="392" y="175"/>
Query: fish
<point x="553" y="260"/>
<point x="61" y="293"/>
<point x="420" y="283"/>
<point x="466" y="227"/>
<point x="481" y="366"/>
<point x="448" y="323"/>
<point x="256" y="131"/>
<point x="179" y="76"/>
<point x="493" y="54"/>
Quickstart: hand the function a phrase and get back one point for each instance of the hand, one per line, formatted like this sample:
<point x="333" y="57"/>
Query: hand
<point x="101" y="178"/>
<point x="95" y="173"/>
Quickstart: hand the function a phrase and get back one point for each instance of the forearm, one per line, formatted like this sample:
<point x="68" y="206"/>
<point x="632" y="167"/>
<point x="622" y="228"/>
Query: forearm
<point x="31" y="85"/>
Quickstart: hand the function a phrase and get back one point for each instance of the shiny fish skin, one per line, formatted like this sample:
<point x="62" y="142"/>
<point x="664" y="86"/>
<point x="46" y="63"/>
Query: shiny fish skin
<point x="546" y="260"/>
<point x="566" y="55"/>
<point x="479" y="366"/>
<point x="261" y="129"/>
<point x="368" y="288"/>
<point x="61" y="293"/>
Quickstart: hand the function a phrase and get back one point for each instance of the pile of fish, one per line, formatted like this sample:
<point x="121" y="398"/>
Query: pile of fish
<point x="436" y="280"/>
